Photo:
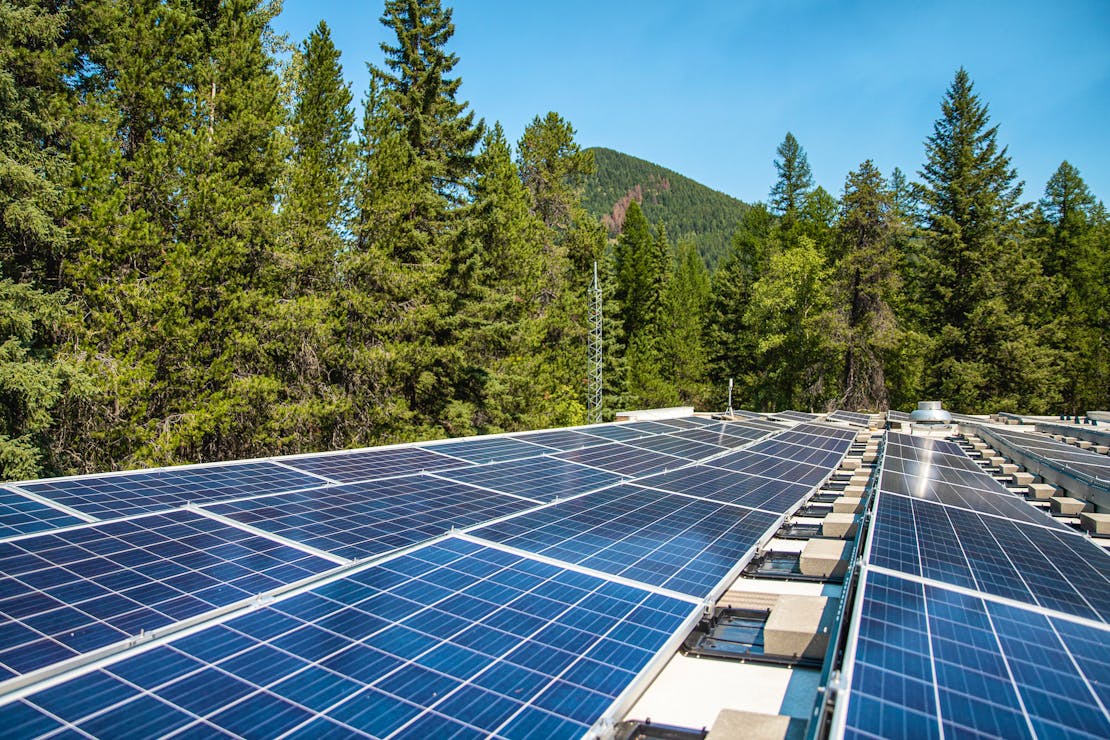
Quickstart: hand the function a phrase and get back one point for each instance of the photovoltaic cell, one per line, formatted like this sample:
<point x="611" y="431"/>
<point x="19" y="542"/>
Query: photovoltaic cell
<point x="363" y="519"/>
<point x="715" y="437"/>
<point x="353" y="467"/>
<point x="726" y="486"/>
<point x="22" y="515"/>
<point x="617" y="432"/>
<point x="488" y="449"/>
<point x="927" y="658"/>
<point x="79" y="590"/>
<point x="850" y="417"/>
<point x="624" y="459"/>
<point x="140" y="492"/>
<point x="685" y="423"/>
<point x="687" y="545"/>
<point x="562" y="439"/>
<point x="797" y="415"/>
<point x="757" y="463"/>
<point x="540" y="479"/>
<point x="677" y="446"/>
<point x="450" y="640"/>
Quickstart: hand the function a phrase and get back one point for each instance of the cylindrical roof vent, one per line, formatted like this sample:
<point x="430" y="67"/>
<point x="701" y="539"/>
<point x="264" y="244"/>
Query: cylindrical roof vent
<point x="930" y="412"/>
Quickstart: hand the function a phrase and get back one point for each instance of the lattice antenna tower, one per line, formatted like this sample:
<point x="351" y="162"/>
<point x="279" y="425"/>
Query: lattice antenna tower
<point x="595" y="352"/>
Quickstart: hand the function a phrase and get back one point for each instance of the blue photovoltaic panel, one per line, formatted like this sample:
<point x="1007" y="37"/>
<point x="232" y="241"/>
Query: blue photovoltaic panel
<point x="617" y="432"/>
<point x="81" y="589"/>
<point x="541" y="478"/>
<point x="562" y="439"/>
<point x="352" y="467"/>
<point x="684" y="544"/>
<point x="726" y="486"/>
<point x="757" y="463"/>
<point x="799" y="453"/>
<point x="22" y="515"/>
<point x="1084" y="461"/>
<point x="451" y="640"/>
<point x="110" y="496"/>
<point x="850" y="417"/>
<point x="677" y="446"/>
<point x="719" y="438"/>
<point x="685" y="423"/>
<point x="927" y="658"/>
<point x="797" y="415"/>
<point x="1050" y="567"/>
<point x="363" y="519"/>
<point x="625" y="460"/>
<point x="650" y="427"/>
<point x="489" y="449"/>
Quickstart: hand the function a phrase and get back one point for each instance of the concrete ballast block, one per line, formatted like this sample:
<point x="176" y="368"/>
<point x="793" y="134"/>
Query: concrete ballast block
<point x="848" y="505"/>
<point x="734" y="724"/>
<point x="839" y="525"/>
<point x="850" y="463"/>
<point x="825" y="558"/>
<point x="799" y="626"/>
<point x="1067" y="505"/>
<point x="1022" y="478"/>
<point x="1041" y="491"/>
<point x="1092" y="522"/>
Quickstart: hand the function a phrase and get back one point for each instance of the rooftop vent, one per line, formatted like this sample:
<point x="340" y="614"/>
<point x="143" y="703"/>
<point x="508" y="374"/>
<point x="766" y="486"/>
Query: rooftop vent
<point x="930" y="412"/>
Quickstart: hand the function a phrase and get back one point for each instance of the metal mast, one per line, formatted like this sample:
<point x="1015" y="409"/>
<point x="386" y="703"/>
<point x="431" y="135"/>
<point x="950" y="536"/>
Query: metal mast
<point x="595" y="353"/>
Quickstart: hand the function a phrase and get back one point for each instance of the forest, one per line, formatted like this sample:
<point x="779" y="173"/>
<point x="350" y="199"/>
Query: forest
<point x="209" y="251"/>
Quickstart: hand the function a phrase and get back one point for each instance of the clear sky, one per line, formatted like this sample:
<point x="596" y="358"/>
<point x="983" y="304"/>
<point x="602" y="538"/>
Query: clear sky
<point x="709" y="88"/>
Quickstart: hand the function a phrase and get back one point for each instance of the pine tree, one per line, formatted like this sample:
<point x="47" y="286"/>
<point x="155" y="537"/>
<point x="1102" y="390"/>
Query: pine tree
<point x="637" y="273"/>
<point x="795" y="180"/>
<point x="554" y="169"/>
<point x="685" y="362"/>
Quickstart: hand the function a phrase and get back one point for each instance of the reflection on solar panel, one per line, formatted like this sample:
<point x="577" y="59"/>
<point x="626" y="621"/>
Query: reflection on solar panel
<point x="742" y="414"/>
<point x="623" y="459"/>
<point x="684" y="544"/>
<point x="450" y="640"/>
<point x="22" y="515"/>
<point x="363" y="519"/>
<point x="617" y="432"/>
<point x="352" y="467"/>
<point x="110" y="496"/>
<point x="895" y="415"/>
<point x="976" y="615"/>
<point x="850" y="417"/>
<point x="541" y="478"/>
<point x="687" y="423"/>
<point x="1062" y="455"/>
<point x="719" y="438"/>
<point x="561" y="439"/>
<point x="757" y="463"/>
<point x="930" y="660"/>
<point x="677" y="446"/>
<point x="81" y="589"/>
<point x="488" y="449"/>
<point x="715" y="484"/>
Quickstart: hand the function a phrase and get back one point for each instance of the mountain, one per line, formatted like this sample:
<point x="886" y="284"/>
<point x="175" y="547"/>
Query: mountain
<point x="689" y="208"/>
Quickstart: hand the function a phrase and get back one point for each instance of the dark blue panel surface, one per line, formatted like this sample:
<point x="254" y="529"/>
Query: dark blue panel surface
<point x="82" y="589"/>
<point x="726" y="486"/>
<point x="22" y="515"/>
<point x="363" y="519"/>
<point x="562" y="439"/>
<point x="617" y="432"/>
<point x="624" y="459"/>
<point x="718" y="437"/>
<point x="768" y="466"/>
<point x="352" y="467"/>
<point x="413" y="647"/>
<point x="157" y="490"/>
<point x="541" y="479"/>
<point x="488" y="449"/>
<point x="688" y="545"/>
<point x="673" y="445"/>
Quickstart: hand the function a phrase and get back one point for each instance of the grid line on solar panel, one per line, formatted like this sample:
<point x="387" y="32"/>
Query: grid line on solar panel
<point x="685" y="448"/>
<point x="726" y="486"/>
<point x="20" y="514"/>
<point x="83" y="589"/>
<point x="365" y="519"/>
<point x="538" y="479"/>
<point x="488" y="449"/>
<point x="684" y="423"/>
<point x="719" y="438"/>
<point x="753" y="462"/>
<point x="680" y="543"/>
<point x="362" y="465"/>
<point x="616" y="432"/>
<point x="125" y="494"/>
<point x="623" y="459"/>
<point x="1057" y="570"/>
<point x="928" y="657"/>
<point x="413" y="646"/>
<point x="562" y="439"/>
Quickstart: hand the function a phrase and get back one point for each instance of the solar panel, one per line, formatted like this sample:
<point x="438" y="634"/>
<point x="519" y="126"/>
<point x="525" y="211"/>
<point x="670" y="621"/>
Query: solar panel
<point x="650" y="427"/>
<point x="850" y="417"/>
<point x="717" y="437"/>
<point x="677" y="446"/>
<point x="757" y="463"/>
<point x="617" y="432"/>
<point x="450" y="640"/>
<point x="353" y="467"/>
<point x="562" y="439"/>
<point x="796" y="415"/>
<point x="109" y="496"/>
<point x="930" y="660"/>
<point x="22" y="515"/>
<point x="540" y="479"/>
<point x="623" y="459"/>
<point x="1064" y="455"/>
<point x="726" y="486"/>
<point x="813" y="455"/>
<point x="82" y="589"/>
<point x="488" y="449"/>
<point x="680" y="543"/>
<point x="363" y="519"/>
<point x="689" y="422"/>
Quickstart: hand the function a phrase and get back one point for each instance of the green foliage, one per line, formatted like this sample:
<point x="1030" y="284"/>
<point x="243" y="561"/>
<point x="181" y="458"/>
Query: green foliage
<point x="788" y="195"/>
<point x="691" y="210"/>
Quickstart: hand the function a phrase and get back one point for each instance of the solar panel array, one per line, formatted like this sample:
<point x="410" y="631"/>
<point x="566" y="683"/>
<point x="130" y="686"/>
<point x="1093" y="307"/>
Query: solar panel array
<point x="977" y="614"/>
<point x="796" y="415"/>
<point x="1060" y="454"/>
<point x="232" y="598"/>
<point x="850" y="417"/>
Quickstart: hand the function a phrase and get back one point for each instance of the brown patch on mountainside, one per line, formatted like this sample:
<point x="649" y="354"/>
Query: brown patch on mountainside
<point x="614" y="220"/>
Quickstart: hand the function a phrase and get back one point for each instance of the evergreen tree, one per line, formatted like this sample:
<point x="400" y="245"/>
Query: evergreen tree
<point x="795" y="181"/>
<point x="637" y="273"/>
<point x="685" y="362"/>
<point x="554" y="169"/>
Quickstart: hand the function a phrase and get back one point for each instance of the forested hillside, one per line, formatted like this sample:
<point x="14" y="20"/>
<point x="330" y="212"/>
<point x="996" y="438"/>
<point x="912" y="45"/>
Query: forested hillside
<point x="209" y="250"/>
<point x="688" y="208"/>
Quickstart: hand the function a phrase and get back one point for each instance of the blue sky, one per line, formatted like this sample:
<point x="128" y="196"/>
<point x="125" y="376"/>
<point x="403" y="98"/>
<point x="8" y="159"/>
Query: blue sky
<point x="710" y="88"/>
